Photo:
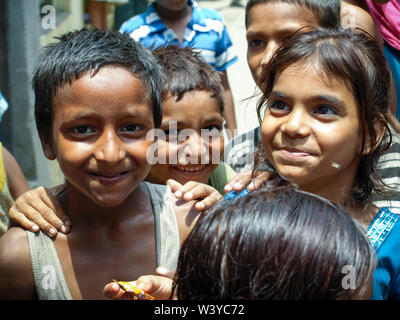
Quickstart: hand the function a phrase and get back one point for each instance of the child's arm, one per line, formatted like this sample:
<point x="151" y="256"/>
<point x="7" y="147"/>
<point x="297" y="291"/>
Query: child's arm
<point x="39" y="209"/>
<point x="17" y="183"/>
<point x="16" y="277"/>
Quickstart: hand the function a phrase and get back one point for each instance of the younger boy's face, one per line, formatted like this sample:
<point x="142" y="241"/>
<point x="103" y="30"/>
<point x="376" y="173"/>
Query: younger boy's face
<point x="194" y="150"/>
<point x="99" y="134"/>
<point x="268" y="24"/>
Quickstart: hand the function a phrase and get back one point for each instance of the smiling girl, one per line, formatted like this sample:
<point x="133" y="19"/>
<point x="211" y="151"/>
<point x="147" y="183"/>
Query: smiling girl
<point x="326" y="122"/>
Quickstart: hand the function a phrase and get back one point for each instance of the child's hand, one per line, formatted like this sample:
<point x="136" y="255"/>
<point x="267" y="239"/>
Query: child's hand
<point x="159" y="286"/>
<point x="241" y="180"/>
<point x="206" y="195"/>
<point x="38" y="209"/>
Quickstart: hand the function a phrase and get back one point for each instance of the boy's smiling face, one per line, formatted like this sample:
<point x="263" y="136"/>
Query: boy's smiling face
<point x="99" y="134"/>
<point x="196" y="113"/>
<point x="268" y="24"/>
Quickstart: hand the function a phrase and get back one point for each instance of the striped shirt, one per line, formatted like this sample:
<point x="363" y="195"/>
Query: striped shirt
<point x="239" y="154"/>
<point x="206" y="33"/>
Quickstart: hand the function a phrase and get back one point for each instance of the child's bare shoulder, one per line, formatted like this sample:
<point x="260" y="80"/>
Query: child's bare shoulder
<point x="16" y="279"/>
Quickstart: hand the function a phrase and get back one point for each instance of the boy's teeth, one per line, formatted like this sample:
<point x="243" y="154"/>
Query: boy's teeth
<point x="190" y="169"/>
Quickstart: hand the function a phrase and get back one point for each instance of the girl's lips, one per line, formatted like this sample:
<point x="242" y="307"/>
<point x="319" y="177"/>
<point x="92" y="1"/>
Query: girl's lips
<point x="292" y="153"/>
<point x="109" y="178"/>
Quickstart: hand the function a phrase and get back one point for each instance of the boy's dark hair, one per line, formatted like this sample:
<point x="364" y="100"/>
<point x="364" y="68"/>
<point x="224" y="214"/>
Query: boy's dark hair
<point x="356" y="58"/>
<point x="326" y="12"/>
<point x="276" y="244"/>
<point x="185" y="70"/>
<point x="79" y="52"/>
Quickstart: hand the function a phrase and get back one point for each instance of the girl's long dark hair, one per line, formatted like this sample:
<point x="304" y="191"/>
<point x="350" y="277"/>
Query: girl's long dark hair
<point x="355" y="58"/>
<point x="279" y="244"/>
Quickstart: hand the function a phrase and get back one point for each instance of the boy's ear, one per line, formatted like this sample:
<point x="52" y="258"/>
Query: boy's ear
<point x="47" y="148"/>
<point x="379" y="129"/>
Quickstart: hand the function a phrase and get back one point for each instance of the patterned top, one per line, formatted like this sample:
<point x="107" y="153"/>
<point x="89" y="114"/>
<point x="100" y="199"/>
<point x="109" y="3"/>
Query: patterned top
<point x="384" y="233"/>
<point x="206" y="32"/>
<point x="239" y="154"/>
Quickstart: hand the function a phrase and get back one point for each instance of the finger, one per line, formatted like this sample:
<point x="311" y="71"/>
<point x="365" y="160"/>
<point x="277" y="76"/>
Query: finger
<point x="238" y="182"/>
<point x="208" y="202"/>
<point x="113" y="291"/>
<point x="258" y="181"/>
<point x="159" y="287"/>
<point x="56" y="216"/>
<point x="19" y="219"/>
<point x="187" y="189"/>
<point x="175" y="186"/>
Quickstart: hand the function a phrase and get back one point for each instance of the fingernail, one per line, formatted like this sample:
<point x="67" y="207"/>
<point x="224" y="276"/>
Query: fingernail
<point x="178" y="194"/>
<point x="237" y="185"/>
<point x="189" y="195"/>
<point x="201" y="206"/>
<point x="228" y="188"/>
<point x="35" y="228"/>
<point x="52" y="232"/>
<point x="64" y="229"/>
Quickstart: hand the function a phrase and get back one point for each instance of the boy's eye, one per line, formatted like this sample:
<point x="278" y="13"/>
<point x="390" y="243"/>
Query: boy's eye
<point x="131" y="128"/>
<point x="255" y="43"/>
<point x="214" y="127"/>
<point x="83" y="130"/>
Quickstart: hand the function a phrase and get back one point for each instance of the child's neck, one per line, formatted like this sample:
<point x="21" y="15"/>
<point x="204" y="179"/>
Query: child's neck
<point x="175" y="20"/>
<point x="85" y="213"/>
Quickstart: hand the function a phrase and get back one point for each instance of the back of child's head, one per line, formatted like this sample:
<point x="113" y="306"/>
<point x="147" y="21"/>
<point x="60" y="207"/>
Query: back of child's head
<point x="185" y="70"/>
<point x="326" y="13"/>
<point x="86" y="51"/>
<point x="277" y="244"/>
<point x="355" y="59"/>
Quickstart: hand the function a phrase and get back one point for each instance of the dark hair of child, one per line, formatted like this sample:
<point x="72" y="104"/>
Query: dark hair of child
<point x="83" y="51"/>
<point x="185" y="70"/>
<point x="356" y="59"/>
<point x="276" y="244"/>
<point x="327" y="12"/>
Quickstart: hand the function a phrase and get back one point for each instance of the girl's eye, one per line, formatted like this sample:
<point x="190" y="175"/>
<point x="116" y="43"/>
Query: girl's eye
<point x="278" y="106"/>
<point x="83" y="130"/>
<point x="325" y="111"/>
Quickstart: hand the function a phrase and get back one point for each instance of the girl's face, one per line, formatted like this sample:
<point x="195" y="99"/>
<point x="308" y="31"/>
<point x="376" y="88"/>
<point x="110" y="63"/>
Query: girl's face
<point x="192" y="151"/>
<point x="99" y="134"/>
<point x="311" y="130"/>
<point x="264" y="35"/>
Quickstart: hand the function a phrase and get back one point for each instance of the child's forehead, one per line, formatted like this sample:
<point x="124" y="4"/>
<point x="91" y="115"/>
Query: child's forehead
<point x="285" y="11"/>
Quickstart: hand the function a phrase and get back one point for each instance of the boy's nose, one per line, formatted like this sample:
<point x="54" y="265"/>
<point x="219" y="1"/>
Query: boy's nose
<point x="110" y="148"/>
<point x="194" y="147"/>
<point x="268" y="52"/>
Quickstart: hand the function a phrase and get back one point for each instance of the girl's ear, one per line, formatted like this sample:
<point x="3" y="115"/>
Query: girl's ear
<point x="379" y="129"/>
<point x="47" y="148"/>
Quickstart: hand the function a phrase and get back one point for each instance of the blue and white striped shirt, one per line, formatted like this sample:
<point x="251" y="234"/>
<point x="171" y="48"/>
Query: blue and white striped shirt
<point x="206" y="32"/>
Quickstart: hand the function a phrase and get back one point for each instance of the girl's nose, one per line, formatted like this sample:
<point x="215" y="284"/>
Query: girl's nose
<point x="296" y="124"/>
<point x="109" y="147"/>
